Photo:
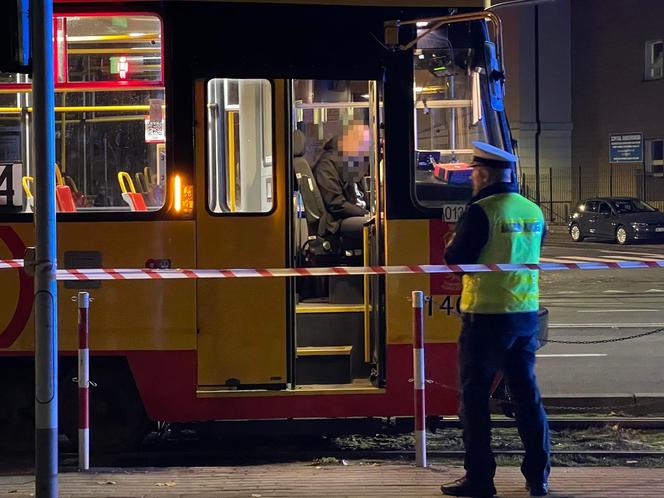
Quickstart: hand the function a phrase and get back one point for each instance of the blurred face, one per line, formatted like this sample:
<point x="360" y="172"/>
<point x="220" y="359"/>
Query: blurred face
<point x="356" y="140"/>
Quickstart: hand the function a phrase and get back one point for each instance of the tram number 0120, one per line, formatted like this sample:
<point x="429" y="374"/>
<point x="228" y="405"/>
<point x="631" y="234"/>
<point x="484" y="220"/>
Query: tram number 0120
<point x="452" y="212"/>
<point x="451" y="304"/>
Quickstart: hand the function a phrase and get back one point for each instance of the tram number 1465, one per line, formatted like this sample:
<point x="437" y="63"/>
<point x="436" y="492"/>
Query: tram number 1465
<point x="452" y="212"/>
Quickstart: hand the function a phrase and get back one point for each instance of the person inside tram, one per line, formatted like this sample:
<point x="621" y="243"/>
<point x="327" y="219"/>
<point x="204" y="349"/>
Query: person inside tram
<point x="339" y="171"/>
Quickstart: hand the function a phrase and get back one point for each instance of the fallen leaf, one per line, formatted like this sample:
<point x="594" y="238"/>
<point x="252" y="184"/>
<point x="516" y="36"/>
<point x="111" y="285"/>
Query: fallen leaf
<point x="12" y="491"/>
<point x="167" y="483"/>
<point x="631" y="461"/>
<point x="344" y="462"/>
<point x="255" y="495"/>
<point x="104" y="483"/>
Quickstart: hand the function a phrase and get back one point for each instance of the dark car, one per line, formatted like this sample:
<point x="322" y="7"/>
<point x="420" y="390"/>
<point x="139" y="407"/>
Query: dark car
<point x="623" y="219"/>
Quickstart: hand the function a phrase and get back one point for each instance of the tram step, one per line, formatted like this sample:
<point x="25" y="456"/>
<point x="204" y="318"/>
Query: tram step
<point x="346" y="289"/>
<point x="332" y="325"/>
<point x="324" y="365"/>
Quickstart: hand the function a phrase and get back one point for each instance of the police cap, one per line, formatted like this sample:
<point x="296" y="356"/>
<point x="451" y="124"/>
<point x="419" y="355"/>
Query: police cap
<point x="490" y="156"/>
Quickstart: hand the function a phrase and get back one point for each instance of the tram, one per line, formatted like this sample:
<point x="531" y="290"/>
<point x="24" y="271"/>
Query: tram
<point x="188" y="135"/>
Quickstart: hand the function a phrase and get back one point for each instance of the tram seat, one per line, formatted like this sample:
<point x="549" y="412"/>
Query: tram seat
<point x="319" y="242"/>
<point x="134" y="199"/>
<point x="63" y="195"/>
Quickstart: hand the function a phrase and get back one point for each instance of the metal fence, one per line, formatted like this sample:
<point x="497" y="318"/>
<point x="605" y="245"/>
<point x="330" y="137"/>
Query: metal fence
<point x="561" y="189"/>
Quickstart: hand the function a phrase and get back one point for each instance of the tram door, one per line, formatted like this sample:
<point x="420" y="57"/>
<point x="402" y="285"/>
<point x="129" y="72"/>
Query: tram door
<point x="338" y="339"/>
<point x="241" y="212"/>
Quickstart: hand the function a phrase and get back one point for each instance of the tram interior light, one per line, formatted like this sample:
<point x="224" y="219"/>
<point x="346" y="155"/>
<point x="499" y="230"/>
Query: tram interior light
<point x="123" y="67"/>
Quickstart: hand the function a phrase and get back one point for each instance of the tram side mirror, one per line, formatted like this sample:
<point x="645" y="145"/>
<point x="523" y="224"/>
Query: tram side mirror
<point x="495" y="76"/>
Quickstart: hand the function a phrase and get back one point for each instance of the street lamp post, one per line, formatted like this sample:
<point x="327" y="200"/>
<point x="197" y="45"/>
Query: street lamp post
<point x="46" y="332"/>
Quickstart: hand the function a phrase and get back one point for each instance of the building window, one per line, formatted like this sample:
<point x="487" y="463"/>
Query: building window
<point x="654" y="59"/>
<point x="655" y="157"/>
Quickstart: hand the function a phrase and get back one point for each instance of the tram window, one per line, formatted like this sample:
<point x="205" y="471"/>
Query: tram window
<point x="239" y="146"/>
<point x="108" y="48"/>
<point x="451" y="111"/>
<point x="105" y="123"/>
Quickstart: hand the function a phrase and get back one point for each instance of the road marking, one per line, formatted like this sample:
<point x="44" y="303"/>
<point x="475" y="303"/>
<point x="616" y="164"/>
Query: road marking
<point x="651" y="254"/>
<point x="572" y="355"/>
<point x="617" y="311"/>
<point x="635" y="258"/>
<point x="568" y="292"/>
<point x="593" y="260"/>
<point x="554" y="260"/>
<point x="610" y="291"/>
<point x="606" y="325"/>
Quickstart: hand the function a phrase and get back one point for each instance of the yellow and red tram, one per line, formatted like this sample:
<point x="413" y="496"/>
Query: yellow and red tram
<point x="175" y="126"/>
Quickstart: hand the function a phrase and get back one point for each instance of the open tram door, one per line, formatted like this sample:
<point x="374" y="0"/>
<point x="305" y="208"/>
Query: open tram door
<point x="337" y="197"/>
<point x="241" y="211"/>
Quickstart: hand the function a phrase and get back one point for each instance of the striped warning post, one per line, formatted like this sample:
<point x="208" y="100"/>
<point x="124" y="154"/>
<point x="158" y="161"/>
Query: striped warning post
<point x="418" y="379"/>
<point x="83" y="383"/>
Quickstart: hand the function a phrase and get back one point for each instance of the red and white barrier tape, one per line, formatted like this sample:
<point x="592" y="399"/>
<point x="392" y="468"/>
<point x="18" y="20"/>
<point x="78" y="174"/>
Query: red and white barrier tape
<point x="146" y="273"/>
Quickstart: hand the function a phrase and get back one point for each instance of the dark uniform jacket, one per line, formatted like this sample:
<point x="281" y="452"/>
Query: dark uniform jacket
<point x="337" y="188"/>
<point x="471" y="235"/>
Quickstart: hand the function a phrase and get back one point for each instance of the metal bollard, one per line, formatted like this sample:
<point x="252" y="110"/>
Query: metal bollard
<point x="83" y="383"/>
<point x="418" y="378"/>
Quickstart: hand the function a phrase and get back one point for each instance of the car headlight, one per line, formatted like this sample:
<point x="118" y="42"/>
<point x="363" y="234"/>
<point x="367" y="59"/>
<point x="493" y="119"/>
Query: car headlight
<point x="575" y="215"/>
<point x="639" y="226"/>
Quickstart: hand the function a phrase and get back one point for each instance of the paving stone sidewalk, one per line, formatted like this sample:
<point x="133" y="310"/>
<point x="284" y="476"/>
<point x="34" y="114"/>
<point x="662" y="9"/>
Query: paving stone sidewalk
<point x="352" y="480"/>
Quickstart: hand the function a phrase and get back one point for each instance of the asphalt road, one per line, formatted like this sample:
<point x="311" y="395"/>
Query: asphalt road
<point x="602" y="304"/>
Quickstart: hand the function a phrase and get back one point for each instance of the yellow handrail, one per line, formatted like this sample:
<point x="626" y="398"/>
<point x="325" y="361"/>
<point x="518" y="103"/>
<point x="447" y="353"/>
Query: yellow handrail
<point x="85" y="108"/>
<point x="26" y="185"/>
<point x="124" y="179"/>
<point x="58" y="176"/>
<point x="231" y="161"/>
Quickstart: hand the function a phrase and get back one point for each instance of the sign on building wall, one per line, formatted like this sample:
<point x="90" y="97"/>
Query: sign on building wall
<point x="626" y="148"/>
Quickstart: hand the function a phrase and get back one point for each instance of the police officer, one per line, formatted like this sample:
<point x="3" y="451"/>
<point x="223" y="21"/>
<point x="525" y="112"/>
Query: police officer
<point x="500" y="322"/>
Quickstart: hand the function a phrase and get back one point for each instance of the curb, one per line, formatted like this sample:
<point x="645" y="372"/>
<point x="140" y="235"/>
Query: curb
<point x="632" y="403"/>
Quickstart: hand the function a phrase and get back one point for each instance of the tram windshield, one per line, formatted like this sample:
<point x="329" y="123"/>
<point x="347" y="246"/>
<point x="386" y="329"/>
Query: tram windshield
<point x="109" y="117"/>
<point x="450" y="93"/>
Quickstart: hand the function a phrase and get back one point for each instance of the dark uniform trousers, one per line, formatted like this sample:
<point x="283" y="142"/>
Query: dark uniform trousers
<point x="482" y="352"/>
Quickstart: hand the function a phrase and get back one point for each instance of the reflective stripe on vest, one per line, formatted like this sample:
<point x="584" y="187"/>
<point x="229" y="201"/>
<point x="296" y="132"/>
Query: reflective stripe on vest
<point x="515" y="236"/>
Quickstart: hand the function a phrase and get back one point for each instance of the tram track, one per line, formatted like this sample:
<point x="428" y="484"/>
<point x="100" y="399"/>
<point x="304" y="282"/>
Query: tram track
<point x="177" y="449"/>
<point x="202" y="458"/>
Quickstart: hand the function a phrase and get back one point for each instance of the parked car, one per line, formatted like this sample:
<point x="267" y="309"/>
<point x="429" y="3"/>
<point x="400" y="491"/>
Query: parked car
<point x="623" y="219"/>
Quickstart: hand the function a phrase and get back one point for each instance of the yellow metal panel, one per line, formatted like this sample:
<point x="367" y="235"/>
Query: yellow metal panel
<point x="124" y="315"/>
<point x="408" y="244"/>
<point x="241" y="323"/>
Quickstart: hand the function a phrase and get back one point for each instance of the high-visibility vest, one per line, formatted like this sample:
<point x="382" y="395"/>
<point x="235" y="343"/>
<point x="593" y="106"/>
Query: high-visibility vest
<point x="516" y="226"/>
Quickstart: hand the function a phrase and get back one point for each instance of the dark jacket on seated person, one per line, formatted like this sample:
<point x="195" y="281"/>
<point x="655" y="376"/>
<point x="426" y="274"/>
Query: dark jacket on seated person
<point x="338" y="188"/>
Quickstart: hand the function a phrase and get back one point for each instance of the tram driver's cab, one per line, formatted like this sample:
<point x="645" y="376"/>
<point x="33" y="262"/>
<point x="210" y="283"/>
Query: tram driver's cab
<point x="457" y="91"/>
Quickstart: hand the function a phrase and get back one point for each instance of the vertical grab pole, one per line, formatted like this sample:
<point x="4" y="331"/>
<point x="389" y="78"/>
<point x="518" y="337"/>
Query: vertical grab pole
<point x="83" y="383"/>
<point x="418" y="378"/>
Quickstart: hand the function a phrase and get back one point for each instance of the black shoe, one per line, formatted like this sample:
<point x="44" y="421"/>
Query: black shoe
<point x="466" y="487"/>
<point x="537" y="489"/>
